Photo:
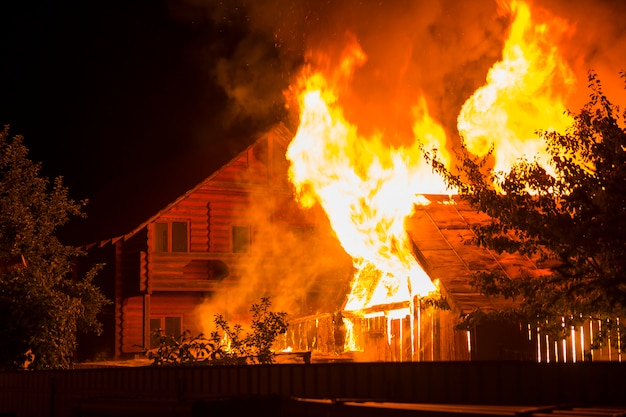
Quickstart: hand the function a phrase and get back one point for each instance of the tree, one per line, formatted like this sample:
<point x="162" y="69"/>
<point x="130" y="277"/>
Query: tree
<point x="573" y="219"/>
<point x="42" y="305"/>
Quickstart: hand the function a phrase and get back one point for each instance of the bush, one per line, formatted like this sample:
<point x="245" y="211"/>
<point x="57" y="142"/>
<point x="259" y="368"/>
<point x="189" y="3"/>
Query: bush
<point x="226" y="345"/>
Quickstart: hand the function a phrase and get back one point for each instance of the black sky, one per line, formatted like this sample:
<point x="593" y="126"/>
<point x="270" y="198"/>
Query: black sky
<point x="101" y="89"/>
<point x="117" y="95"/>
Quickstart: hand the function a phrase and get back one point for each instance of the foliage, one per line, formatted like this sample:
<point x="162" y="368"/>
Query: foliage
<point x="225" y="345"/>
<point x="266" y="326"/>
<point x="573" y="220"/>
<point x="42" y="305"/>
<point x="437" y="302"/>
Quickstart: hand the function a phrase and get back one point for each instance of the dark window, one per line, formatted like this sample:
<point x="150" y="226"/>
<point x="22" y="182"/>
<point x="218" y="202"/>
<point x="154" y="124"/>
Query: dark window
<point x="171" y="237"/>
<point x="179" y="237"/>
<point x="241" y="239"/>
<point x="170" y="326"/>
<point x="161" y="238"/>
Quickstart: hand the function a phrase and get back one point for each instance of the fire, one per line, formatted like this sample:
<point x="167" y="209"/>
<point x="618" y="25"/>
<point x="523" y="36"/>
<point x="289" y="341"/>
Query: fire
<point x="366" y="187"/>
<point x="526" y="91"/>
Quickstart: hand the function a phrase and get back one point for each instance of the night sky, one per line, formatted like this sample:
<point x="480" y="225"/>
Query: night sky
<point x="97" y="87"/>
<point x="134" y="102"/>
<point x="116" y="95"/>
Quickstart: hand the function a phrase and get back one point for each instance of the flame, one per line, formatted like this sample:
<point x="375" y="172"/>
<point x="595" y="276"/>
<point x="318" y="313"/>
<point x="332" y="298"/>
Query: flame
<point x="225" y="343"/>
<point x="350" y="344"/>
<point x="526" y="91"/>
<point x="366" y="187"/>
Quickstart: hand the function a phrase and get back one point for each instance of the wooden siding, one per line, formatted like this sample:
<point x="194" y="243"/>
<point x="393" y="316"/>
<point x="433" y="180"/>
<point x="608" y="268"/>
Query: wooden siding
<point x="167" y="271"/>
<point x="133" y="325"/>
<point x="226" y="209"/>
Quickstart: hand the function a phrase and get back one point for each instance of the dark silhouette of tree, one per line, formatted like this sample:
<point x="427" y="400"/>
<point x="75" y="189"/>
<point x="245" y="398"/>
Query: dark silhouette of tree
<point x="573" y="220"/>
<point x="42" y="305"/>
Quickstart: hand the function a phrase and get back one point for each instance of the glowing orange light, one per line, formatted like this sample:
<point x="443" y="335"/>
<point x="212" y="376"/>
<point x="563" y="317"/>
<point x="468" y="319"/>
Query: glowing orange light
<point x="526" y="91"/>
<point x="366" y="187"/>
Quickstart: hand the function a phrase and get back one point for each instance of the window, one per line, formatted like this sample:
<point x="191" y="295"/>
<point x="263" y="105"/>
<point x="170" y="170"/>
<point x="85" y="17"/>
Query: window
<point x="155" y="324"/>
<point x="170" y="325"/>
<point x="161" y="237"/>
<point x="171" y="236"/>
<point x="241" y="239"/>
<point x="179" y="236"/>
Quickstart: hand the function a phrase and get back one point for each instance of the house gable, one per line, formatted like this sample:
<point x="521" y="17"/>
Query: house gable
<point x="236" y="236"/>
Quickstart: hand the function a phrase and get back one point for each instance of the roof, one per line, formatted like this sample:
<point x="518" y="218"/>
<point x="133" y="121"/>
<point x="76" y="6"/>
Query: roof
<point x="439" y="231"/>
<point x="129" y="203"/>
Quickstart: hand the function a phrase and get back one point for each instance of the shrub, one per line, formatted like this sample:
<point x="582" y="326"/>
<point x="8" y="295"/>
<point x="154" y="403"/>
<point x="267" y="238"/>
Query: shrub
<point x="225" y="345"/>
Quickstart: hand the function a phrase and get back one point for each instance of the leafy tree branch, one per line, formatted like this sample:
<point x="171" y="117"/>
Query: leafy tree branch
<point x="572" y="219"/>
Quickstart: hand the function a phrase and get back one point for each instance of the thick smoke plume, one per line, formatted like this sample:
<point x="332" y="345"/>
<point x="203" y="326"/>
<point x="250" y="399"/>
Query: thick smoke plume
<point x="303" y="269"/>
<point x="441" y="48"/>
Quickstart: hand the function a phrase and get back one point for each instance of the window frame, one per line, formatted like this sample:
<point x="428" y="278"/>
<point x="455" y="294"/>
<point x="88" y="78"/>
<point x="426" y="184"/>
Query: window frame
<point x="158" y="240"/>
<point x="162" y="318"/>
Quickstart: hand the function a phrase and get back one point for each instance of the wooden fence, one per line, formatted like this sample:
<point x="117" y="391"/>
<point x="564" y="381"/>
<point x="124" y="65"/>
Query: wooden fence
<point x="65" y="393"/>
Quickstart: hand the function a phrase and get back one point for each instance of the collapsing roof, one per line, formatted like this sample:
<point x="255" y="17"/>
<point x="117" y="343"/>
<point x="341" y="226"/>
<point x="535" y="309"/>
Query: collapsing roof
<point x="439" y="231"/>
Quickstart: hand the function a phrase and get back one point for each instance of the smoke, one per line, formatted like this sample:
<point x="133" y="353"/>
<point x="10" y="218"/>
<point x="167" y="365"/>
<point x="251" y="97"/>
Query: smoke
<point x="598" y="44"/>
<point x="442" y="49"/>
<point x="293" y="258"/>
<point x="311" y="276"/>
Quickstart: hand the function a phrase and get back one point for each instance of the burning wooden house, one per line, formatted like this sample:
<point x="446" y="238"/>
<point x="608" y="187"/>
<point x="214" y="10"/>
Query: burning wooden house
<point x="369" y="241"/>
<point x="239" y="235"/>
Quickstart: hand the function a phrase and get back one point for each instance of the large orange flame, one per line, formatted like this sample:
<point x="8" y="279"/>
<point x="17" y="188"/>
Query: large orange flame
<point x="366" y="188"/>
<point x="526" y="91"/>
